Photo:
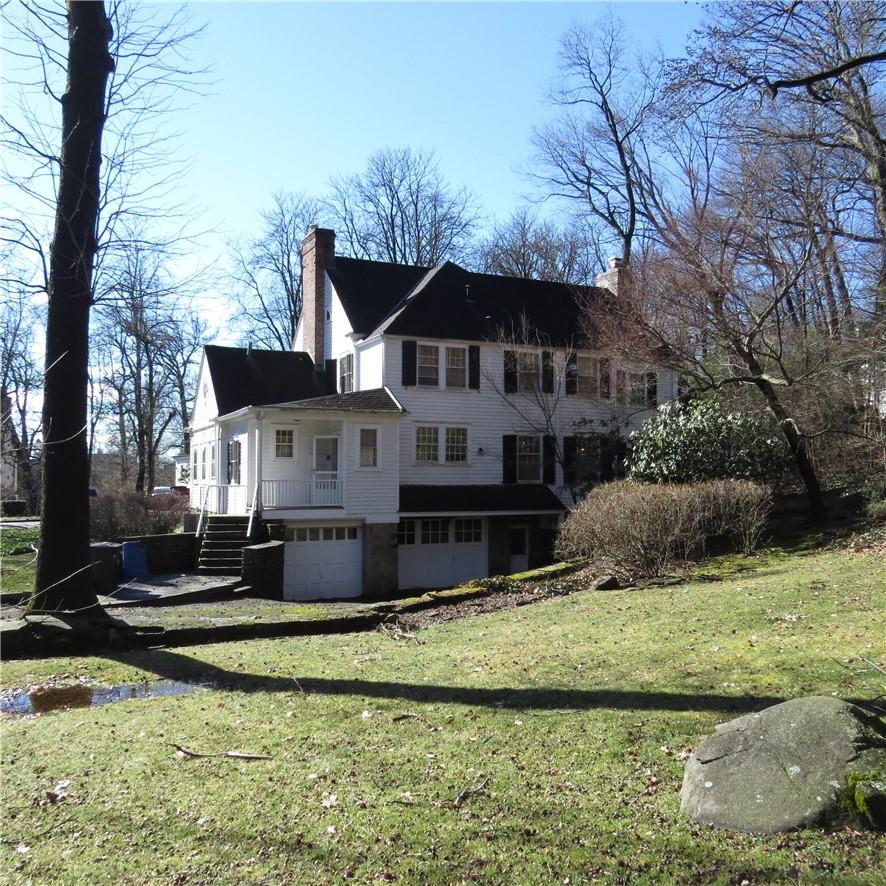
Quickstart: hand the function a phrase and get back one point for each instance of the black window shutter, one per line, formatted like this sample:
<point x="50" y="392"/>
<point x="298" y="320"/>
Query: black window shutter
<point x="510" y="372"/>
<point x="474" y="367"/>
<point x="652" y="389"/>
<point x="547" y="372"/>
<point x="549" y="445"/>
<point x="409" y="363"/>
<point x="332" y="376"/>
<point x="605" y="379"/>
<point x="230" y="452"/>
<point x="570" y="450"/>
<point x="571" y="374"/>
<point x="509" y="458"/>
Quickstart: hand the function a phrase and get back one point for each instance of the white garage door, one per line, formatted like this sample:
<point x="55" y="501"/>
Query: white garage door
<point x="434" y="555"/>
<point x="324" y="563"/>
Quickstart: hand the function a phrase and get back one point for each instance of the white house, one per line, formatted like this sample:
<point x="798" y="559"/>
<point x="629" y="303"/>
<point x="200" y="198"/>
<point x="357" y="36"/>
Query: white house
<point x="424" y="430"/>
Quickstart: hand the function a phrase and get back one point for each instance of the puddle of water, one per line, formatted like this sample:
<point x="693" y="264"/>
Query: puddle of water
<point x="45" y="699"/>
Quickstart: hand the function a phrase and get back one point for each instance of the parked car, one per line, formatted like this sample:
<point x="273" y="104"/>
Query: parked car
<point x="181" y="490"/>
<point x="161" y="490"/>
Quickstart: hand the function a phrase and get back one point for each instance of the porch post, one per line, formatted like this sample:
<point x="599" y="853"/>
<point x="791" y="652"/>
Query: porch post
<point x="258" y="459"/>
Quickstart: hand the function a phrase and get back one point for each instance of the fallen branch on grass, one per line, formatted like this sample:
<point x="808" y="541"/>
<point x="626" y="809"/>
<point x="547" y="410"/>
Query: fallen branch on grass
<point x="469" y="792"/>
<point x="236" y="755"/>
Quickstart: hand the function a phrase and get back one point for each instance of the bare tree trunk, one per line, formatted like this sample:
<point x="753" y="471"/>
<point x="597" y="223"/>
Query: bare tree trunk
<point x="64" y="579"/>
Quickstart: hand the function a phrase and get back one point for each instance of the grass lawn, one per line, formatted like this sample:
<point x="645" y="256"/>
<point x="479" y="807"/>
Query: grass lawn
<point x="18" y="562"/>
<point x="569" y="717"/>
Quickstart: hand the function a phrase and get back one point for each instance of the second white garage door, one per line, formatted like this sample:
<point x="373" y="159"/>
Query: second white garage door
<point x="441" y="553"/>
<point x="324" y="563"/>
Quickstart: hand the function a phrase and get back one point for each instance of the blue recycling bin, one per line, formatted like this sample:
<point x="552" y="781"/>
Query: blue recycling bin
<point x="135" y="560"/>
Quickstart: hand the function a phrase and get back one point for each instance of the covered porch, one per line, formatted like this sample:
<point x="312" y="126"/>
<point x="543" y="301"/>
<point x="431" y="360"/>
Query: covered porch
<point x="273" y="461"/>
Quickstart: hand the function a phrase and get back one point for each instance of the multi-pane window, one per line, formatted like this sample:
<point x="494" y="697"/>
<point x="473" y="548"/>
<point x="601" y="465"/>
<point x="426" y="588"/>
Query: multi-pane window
<point x="467" y="531"/>
<point x="203" y="464"/>
<point x="528" y="459"/>
<point x="234" y="462"/>
<point x="456" y="444"/>
<point x="586" y="377"/>
<point x="434" y="532"/>
<point x="428" y="365"/>
<point x="212" y="462"/>
<point x="406" y="532"/>
<point x="346" y="374"/>
<point x="456" y="368"/>
<point x="636" y="388"/>
<point x="427" y="444"/>
<point x="368" y="448"/>
<point x="284" y="443"/>
<point x="527" y="371"/>
<point x="194" y="472"/>
<point x="326" y="533"/>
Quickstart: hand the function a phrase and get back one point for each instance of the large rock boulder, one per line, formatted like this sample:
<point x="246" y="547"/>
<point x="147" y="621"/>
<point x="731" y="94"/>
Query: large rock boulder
<point x="807" y="762"/>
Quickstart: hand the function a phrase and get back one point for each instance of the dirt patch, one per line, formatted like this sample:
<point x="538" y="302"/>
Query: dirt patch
<point x="414" y="621"/>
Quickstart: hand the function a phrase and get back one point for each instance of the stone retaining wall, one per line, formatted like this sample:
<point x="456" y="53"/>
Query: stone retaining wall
<point x="176" y="552"/>
<point x="263" y="569"/>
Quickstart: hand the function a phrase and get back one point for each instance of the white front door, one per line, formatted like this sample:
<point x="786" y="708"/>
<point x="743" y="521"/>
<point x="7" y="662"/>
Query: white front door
<point x="519" y="544"/>
<point x="326" y="480"/>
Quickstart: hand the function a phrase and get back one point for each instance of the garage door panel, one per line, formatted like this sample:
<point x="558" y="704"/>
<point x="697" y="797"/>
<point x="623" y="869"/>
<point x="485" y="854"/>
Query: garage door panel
<point x="442" y="566"/>
<point x="316" y="570"/>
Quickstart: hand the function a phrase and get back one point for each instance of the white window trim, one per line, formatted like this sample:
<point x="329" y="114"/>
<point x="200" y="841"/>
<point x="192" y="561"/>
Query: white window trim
<point x="353" y="371"/>
<point x="539" y="478"/>
<point x="441" y="371"/>
<point x="284" y="458"/>
<point x="377" y="466"/>
<point x="441" y="445"/>
<point x="444" y="380"/>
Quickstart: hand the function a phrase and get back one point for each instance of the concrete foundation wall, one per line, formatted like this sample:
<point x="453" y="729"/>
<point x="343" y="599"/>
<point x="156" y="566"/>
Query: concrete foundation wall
<point x="380" y="560"/>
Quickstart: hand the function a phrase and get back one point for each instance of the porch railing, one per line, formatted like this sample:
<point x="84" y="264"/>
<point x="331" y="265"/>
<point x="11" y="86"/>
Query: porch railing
<point x="325" y="490"/>
<point x="219" y="499"/>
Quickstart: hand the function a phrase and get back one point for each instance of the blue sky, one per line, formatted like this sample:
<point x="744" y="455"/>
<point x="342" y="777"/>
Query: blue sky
<point x="307" y="91"/>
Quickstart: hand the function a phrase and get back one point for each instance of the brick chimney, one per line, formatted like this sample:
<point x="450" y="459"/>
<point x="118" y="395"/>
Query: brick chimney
<point x="317" y="254"/>
<point x="612" y="276"/>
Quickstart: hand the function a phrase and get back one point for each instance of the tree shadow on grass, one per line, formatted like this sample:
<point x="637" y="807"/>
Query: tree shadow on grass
<point x="176" y="666"/>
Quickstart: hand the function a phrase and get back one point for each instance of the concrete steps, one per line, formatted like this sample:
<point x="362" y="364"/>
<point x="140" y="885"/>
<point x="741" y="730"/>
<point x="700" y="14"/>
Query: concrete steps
<point x="221" y="548"/>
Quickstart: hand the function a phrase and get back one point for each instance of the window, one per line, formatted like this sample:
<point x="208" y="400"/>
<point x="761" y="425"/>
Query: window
<point x="434" y="532"/>
<point x="368" y="448"/>
<point x="346" y="374"/>
<point x="467" y="531"/>
<point x="326" y="533"/>
<point x="428" y="365"/>
<point x="427" y="443"/>
<point x="212" y="462"/>
<point x="406" y="532"/>
<point x="194" y="472"/>
<point x="233" y="462"/>
<point x="301" y="534"/>
<point x="203" y="465"/>
<point x="314" y="534"/>
<point x="528" y="459"/>
<point x="284" y="443"/>
<point x="636" y="388"/>
<point x="456" y="368"/>
<point x="527" y="372"/>
<point x="456" y="445"/>
<point x="586" y="373"/>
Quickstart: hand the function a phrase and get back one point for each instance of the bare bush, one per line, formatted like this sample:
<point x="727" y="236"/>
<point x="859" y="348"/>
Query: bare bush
<point x="128" y="514"/>
<point x="643" y="529"/>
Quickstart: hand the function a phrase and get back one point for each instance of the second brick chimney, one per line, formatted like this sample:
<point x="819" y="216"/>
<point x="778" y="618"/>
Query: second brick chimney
<point x="317" y="254"/>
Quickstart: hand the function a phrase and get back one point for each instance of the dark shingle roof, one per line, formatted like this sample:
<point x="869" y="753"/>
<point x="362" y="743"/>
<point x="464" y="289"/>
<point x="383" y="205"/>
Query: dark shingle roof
<point x="458" y="304"/>
<point x="451" y="302"/>
<point x="374" y="400"/>
<point x="369" y="290"/>
<point x="475" y="499"/>
<point x="259" y="378"/>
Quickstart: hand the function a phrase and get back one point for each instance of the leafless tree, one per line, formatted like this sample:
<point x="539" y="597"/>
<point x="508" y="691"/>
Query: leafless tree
<point x="525" y="246"/>
<point x="268" y="271"/>
<point x="401" y="209"/>
<point x="20" y="380"/>
<point x="588" y="154"/>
